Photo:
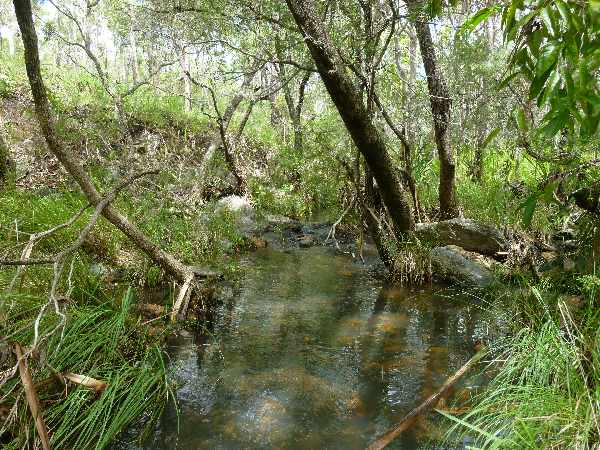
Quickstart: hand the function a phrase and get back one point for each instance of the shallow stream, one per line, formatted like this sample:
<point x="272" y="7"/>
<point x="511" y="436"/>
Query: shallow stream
<point x="313" y="351"/>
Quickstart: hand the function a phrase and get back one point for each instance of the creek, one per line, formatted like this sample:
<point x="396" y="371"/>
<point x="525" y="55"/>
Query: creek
<point x="313" y="350"/>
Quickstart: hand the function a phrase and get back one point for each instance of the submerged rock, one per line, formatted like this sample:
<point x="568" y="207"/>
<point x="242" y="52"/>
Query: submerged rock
<point x="466" y="233"/>
<point x="455" y="264"/>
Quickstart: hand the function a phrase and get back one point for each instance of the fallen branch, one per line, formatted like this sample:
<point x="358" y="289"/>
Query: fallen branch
<point x="168" y="262"/>
<point x="32" y="398"/>
<point x="407" y="421"/>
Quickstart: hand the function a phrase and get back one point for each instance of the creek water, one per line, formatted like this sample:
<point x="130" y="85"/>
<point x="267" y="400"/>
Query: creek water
<point x="313" y="351"/>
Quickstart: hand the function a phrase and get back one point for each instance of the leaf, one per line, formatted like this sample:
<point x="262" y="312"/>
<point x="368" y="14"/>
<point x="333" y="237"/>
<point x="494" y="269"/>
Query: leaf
<point x="508" y="20"/>
<point x="549" y="89"/>
<point x="543" y="68"/>
<point x="490" y="137"/>
<point x="554" y="122"/>
<point x="480" y="16"/>
<point x="528" y="207"/>
<point x="563" y="11"/>
<point x="548" y="58"/>
<point x="521" y="120"/>
<point x="505" y="82"/>
<point x="547" y="18"/>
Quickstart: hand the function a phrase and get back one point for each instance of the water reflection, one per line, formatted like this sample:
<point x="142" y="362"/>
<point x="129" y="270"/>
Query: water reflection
<point x="313" y="352"/>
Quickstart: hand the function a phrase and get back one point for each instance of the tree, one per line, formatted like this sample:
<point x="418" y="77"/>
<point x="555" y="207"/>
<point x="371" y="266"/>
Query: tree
<point x="347" y="99"/>
<point x="5" y="163"/>
<point x="46" y="120"/>
<point x="440" y="101"/>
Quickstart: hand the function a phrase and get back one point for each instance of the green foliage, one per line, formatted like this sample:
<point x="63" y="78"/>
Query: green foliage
<point x="541" y="397"/>
<point x="557" y="49"/>
<point x="480" y="16"/>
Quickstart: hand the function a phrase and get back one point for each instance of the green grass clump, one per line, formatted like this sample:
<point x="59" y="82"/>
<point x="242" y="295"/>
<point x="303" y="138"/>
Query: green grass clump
<point x="547" y="392"/>
<point x="99" y="341"/>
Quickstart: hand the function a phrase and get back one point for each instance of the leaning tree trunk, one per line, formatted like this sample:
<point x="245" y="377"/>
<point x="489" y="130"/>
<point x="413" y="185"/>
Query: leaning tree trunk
<point x="347" y="100"/>
<point x="70" y="163"/>
<point x="440" y="108"/>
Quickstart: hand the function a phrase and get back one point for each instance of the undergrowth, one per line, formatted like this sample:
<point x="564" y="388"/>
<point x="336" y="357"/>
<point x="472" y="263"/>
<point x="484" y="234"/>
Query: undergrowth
<point x="546" y="394"/>
<point x="98" y="341"/>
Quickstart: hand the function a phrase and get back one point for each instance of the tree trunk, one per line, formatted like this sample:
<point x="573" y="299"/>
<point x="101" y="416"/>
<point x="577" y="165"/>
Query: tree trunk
<point x="5" y="164"/>
<point x="243" y="122"/>
<point x="372" y="209"/>
<point x="440" y="108"/>
<point x="187" y="83"/>
<point x="46" y="121"/>
<point x="347" y="100"/>
<point x="217" y="140"/>
<point x="135" y="70"/>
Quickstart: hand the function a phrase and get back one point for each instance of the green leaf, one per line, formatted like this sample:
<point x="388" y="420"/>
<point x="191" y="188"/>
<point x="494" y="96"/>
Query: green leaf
<point x="521" y="120"/>
<point x="548" y="19"/>
<point x="563" y="11"/>
<point x="490" y="137"/>
<point x="554" y="122"/>
<point x="543" y="68"/>
<point x="548" y="58"/>
<point x="483" y="14"/>
<point x="528" y="207"/>
<point x="508" y="21"/>
<point x="505" y="82"/>
<point x="550" y="88"/>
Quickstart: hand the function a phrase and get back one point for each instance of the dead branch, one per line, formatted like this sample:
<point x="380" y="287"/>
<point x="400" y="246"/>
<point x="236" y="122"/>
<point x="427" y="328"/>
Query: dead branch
<point x="407" y="421"/>
<point x="32" y="398"/>
<point x="184" y="292"/>
<point x="331" y="234"/>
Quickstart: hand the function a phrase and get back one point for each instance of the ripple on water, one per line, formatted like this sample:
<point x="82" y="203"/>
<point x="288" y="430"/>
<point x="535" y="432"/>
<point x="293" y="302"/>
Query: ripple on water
<point x="312" y="352"/>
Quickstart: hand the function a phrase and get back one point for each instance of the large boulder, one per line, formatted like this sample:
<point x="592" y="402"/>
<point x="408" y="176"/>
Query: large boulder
<point x="453" y="263"/>
<point x="466" y="233"/>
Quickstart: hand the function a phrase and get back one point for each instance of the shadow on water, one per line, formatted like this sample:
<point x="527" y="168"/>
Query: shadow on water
<point x="314" y="352"/>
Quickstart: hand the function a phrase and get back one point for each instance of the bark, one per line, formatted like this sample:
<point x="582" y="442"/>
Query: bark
<point x="135" y="70"/>
<point x="440" y="108"/>
<point x="347" y="100"/>
<point x="187" y="84"/>
<point x="407" y="174"/>
<point x="477" y="168"/>
<point x="244" y="121"/>
<point x="5" y="164"/>
<point x="372" y="208"/>
<point x="46" y="120"/>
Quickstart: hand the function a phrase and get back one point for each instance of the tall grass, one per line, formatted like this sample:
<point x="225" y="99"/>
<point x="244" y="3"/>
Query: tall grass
<point x="100" y="342"/>
<point x="547" y="392"/>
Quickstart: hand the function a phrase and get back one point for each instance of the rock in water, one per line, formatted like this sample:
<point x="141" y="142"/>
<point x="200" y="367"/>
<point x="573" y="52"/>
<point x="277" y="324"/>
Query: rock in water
<point x="454" y="264"/>
<point x="466" y="233"/>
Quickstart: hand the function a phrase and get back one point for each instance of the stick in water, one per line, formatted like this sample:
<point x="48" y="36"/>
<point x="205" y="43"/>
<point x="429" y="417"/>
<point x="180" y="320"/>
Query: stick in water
<point x="392" y="434"/>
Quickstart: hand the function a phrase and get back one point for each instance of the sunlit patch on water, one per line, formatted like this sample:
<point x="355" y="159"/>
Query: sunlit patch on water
<point x="313" y="352"/>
